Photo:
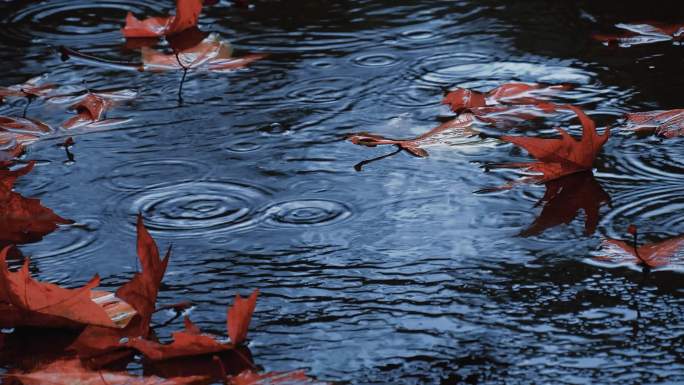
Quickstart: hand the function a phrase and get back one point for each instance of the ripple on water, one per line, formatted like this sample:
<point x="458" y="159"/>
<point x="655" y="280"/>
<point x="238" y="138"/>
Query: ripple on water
<point x="307" y="213"/>
<point x="67" y="21"/>
<point x="197" y="208"/>
<point x="139" y="175"/>
<point x="74" y="240"/>
<point x="323" y="90"/>
<point x="376" y="60"/>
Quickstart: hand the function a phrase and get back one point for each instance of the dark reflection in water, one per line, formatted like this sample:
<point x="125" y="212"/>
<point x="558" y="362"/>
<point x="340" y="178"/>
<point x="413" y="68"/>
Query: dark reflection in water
<point x="397" y="273"/>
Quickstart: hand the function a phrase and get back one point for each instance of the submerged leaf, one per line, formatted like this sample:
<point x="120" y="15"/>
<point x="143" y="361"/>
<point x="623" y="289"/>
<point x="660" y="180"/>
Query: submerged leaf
<point x="71" y="372"/>
<point x="461" y="99"/>
<point x="668" y="124"/>
<point x="298" y="377"/>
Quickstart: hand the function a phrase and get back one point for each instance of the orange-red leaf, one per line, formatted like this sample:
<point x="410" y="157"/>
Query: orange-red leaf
<point x="653" y="255"/>
<point x="564" y="156"/>
<point x="249" y="377"/>
<point x="71" y="372"/>
<point x="103" y="344"/>
<point x="90" y="109"/>
<point x="187" y="16"/>
<point x="27" y="302"/>
<point x="239" y="317"/>
<point x="190" y="342"/>
<point x="211" y="54"/>
<point x="23" y="220"/>
<point x="668" y="124"/>
<point x="461" y="99"/>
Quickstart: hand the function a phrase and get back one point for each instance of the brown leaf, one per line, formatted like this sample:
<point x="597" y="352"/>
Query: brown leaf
<point x="461" y="99"/>
<point x="90" y="109"/>
<point x="653" y="255"/>
<point x="668" y="124"/>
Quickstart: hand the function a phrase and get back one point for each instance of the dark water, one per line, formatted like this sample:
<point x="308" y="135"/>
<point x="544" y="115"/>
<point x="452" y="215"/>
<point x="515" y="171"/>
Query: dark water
<point x="398" y="274"/>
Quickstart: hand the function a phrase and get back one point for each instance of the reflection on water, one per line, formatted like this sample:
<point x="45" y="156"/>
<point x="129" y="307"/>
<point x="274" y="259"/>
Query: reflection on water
<point x="397" y="273"/>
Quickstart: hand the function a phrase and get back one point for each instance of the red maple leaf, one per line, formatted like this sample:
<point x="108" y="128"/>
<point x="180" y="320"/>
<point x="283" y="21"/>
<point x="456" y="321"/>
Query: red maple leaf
<point x="187" y="16"/>
<point x="668" y="124"/>
<point x="564" y="156"/>
<point x="102" y="345"/>
<point x="23" y="220"/>
<point x="651" y="255"/>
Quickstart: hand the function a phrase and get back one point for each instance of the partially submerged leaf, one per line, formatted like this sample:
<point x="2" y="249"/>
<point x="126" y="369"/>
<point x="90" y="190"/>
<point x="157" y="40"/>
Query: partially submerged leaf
<point x="298" y="377"/>
<point x="103" y="345"/>
<point x="458" y="127"/>
<point x="31" y="88"/>
<point x="187" y="15"/>
<point x="240" y="315"/>
<point x="72" y="372"/>
<point x="23" y="220"/>
<point x="90" y="109"/>
<point x="21" y="130"/>
<point x="461" y="99"/>
<point x="211" y="54"/>
<point x="563" y="199"/>
<point x="190" y="342"/>
<point x="654" y="255"/>
<point x="668" y="124"/>
<point x="642" y="33"/>
<point x="564" y="156"/>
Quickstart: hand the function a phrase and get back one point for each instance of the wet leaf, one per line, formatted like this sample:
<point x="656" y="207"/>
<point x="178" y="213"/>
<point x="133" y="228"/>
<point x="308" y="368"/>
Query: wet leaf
<point x="273" y="378"/>
<point x="564" y="198"/>
<point x="27" y="302"/>
<point x="239" y="317"/>
<point x="668" y="123"/>
<point x="31" y="88"/>
<point x="461" y="99"/>
<point x="90" y="109"/>
<point x="654" y="255"/>
<point x="187" y="15"/>
<point x="642" y="33"/>
<point x="458" y="127"/>
<point x="103" y="345"/>
<point x="211" y="54"/>
<point x="23" y="220"/>
<point x="21" y="130"/>
<point x="564" y="156"/>
<point x="71" y="372"/>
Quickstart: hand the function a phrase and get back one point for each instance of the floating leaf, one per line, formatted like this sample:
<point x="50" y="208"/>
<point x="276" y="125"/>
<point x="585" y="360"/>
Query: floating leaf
<point x="642" y="33"/>
<point x="90" y="109"/>
<point x="564" y="156"/>
<point x="211" y="54"/>
<point x="461" y="99"/>
<point x="240" y="315"/>
<point x="668" y="124"/>
<point x="283" y="378"/>
<point x="31" y="88"/>
<point x="654" y="255"/>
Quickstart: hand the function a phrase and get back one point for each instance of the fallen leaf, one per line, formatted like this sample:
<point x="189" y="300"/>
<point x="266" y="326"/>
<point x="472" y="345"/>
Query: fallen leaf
<point x="27" y="302"/>
<point x="211" y="54"/>
<point x="642" y="33"/>
<point x="187" y="16"/>
<point x="90" y="109"/>
<point x="563" y="199"/>
<point x="31" y="88"/>
<point x="461" y="99"/>
<point x="72" y="372"/>
<point x="460" y="126"/>
<point x="653" y="255"/>
<point x="23" y="220"/>
<point x="21" y="130"/>
<point x="249" y="377"/>
<point x="668" y="124"/>
<point x="102" y="345"/>
<point x="564" y="156"/>
<point x="239" y="317"/>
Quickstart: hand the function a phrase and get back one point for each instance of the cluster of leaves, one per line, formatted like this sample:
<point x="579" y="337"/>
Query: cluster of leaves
<point x="563" y="165"/>
<point x="57" y="335"/>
